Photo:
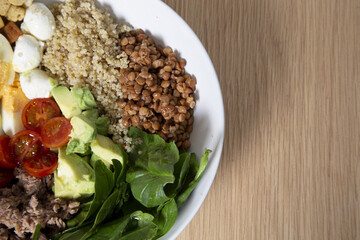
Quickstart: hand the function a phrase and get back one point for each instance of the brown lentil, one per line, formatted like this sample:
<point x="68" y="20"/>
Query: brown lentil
<point x="158" y="95"/>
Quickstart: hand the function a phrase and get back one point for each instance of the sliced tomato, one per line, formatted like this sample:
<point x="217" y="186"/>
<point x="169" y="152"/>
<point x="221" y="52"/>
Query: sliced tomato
<point x="41" y="165"/>
<point x="26" y="144"/>
<point x="6" y="175"/>
<point x="37" y="111"/>
<point x="55" y="132"/>
<point x="6" y="158"/>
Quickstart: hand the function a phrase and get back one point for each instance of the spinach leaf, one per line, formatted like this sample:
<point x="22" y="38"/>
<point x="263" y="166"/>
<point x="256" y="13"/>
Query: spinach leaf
<point x="153" y="154"/>
<point x="37" y="231"/>
<point x="111" y="230"/>
<point x="166" y="218"/>
<point x="80" y="217"/>
<point x="124" y="192"/>
<point x="153" y="163"/>
<point x="147" y="187"/>
<point x="77" y="234"/>
<point x="187" y="190"/>
<point x="137" y="225"/>
<point x="115" y="200"/>
<point x="104" y="184"/>
<point x="180" y="172"/>
<point x="194" y="168"/>
<point x="132" y="205"/>
<point x="118" y="170"/>
<point x="102" y="125"/>
<point x="108" y="207"/>
<point x="120" y="183"/>
<point x="67" y="232"/>
<point x="141" y="226"/>
<point x="105" y="212"/>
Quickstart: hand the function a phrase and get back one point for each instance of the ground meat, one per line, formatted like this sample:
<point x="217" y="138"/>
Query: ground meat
<point x="6" y="234"/>
<point x="29" y="202"/>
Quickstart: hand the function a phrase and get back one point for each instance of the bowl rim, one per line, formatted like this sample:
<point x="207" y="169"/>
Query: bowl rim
<point x="216" y="154"/>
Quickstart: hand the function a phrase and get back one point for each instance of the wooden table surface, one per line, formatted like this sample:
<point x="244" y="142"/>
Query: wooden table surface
<point x="290" y="76"/>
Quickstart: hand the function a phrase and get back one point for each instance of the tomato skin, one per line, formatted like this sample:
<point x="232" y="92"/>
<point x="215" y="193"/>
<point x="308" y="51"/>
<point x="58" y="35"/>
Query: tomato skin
<point x="6" y="176"/>
<point x="55" y="133"/>
<point x="26" y="144"/>
<point x="6" y="157"/>
<point x="41" y="165"/>
<point x="37" y="111"/>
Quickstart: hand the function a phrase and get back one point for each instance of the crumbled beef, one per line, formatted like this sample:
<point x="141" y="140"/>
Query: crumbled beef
<point x="29" y="202"/>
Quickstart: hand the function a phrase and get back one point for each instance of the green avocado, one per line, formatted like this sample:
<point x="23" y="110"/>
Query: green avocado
<point x="82" y="134"/>
<point x="76" y="146"/>
<point x="102" y="125"/>
<point x="84" y="98"/>
<point x="83" y="129"/>
<point x="106" y="150"/>
<point x="74" y="178"/>
<point x="91" y="114"/>
<point x="66" y="101"/>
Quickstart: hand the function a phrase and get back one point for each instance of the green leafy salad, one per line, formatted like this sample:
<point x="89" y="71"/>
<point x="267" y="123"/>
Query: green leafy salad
<point x="134" y="195"/>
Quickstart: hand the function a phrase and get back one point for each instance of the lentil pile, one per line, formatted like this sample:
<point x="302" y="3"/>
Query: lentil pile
<point x="158" y="96"/>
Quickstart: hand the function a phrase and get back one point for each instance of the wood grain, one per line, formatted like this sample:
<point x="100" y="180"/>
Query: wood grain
<point x="290" y="76"/>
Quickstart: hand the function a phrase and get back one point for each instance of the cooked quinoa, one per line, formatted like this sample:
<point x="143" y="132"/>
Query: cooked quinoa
<point x="84" y="52"/>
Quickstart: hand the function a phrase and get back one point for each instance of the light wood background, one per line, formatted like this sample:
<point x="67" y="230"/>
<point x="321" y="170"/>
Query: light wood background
<point x="290" y="77"/>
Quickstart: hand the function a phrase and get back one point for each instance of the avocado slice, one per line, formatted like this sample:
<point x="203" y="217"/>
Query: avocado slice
<point x="83" y="129"/>
<point x="82" y="134"/>
<point x="74" y="178"/>
<point x="106" y="150"/>
<point x="84" y="98"/>
<point x="66" y="101"/>
<point x="102" y="125"/>
<point x="91" y="114"/>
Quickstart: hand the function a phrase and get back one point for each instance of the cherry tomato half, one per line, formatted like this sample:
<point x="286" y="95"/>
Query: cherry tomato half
<point x="6" y="175"/>
<point x="37" y="111"/>
<point x="41" y="165"/>
<point x="55" y="132"/>
<point x="6" y="158"/>
<point x="26" y="144"/>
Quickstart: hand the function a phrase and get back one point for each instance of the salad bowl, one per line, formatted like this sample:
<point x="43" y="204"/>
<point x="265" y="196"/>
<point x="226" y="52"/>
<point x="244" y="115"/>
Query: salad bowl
<point x="167" y="28"/>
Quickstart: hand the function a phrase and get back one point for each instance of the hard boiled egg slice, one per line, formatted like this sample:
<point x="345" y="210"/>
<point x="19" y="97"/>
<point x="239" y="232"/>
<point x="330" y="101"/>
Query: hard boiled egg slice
<point x="39" y="21"/>
<point x="5" y="71"/>
<point x="13" y="102"/>
<point x="11" y="123"/>
<point x="27" y="54"/>
<point x="37" y="84"/>
<point x="6" y="56"/>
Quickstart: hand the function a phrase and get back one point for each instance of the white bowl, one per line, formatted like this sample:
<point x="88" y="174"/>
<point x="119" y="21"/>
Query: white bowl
<point x="169" y="29"/>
